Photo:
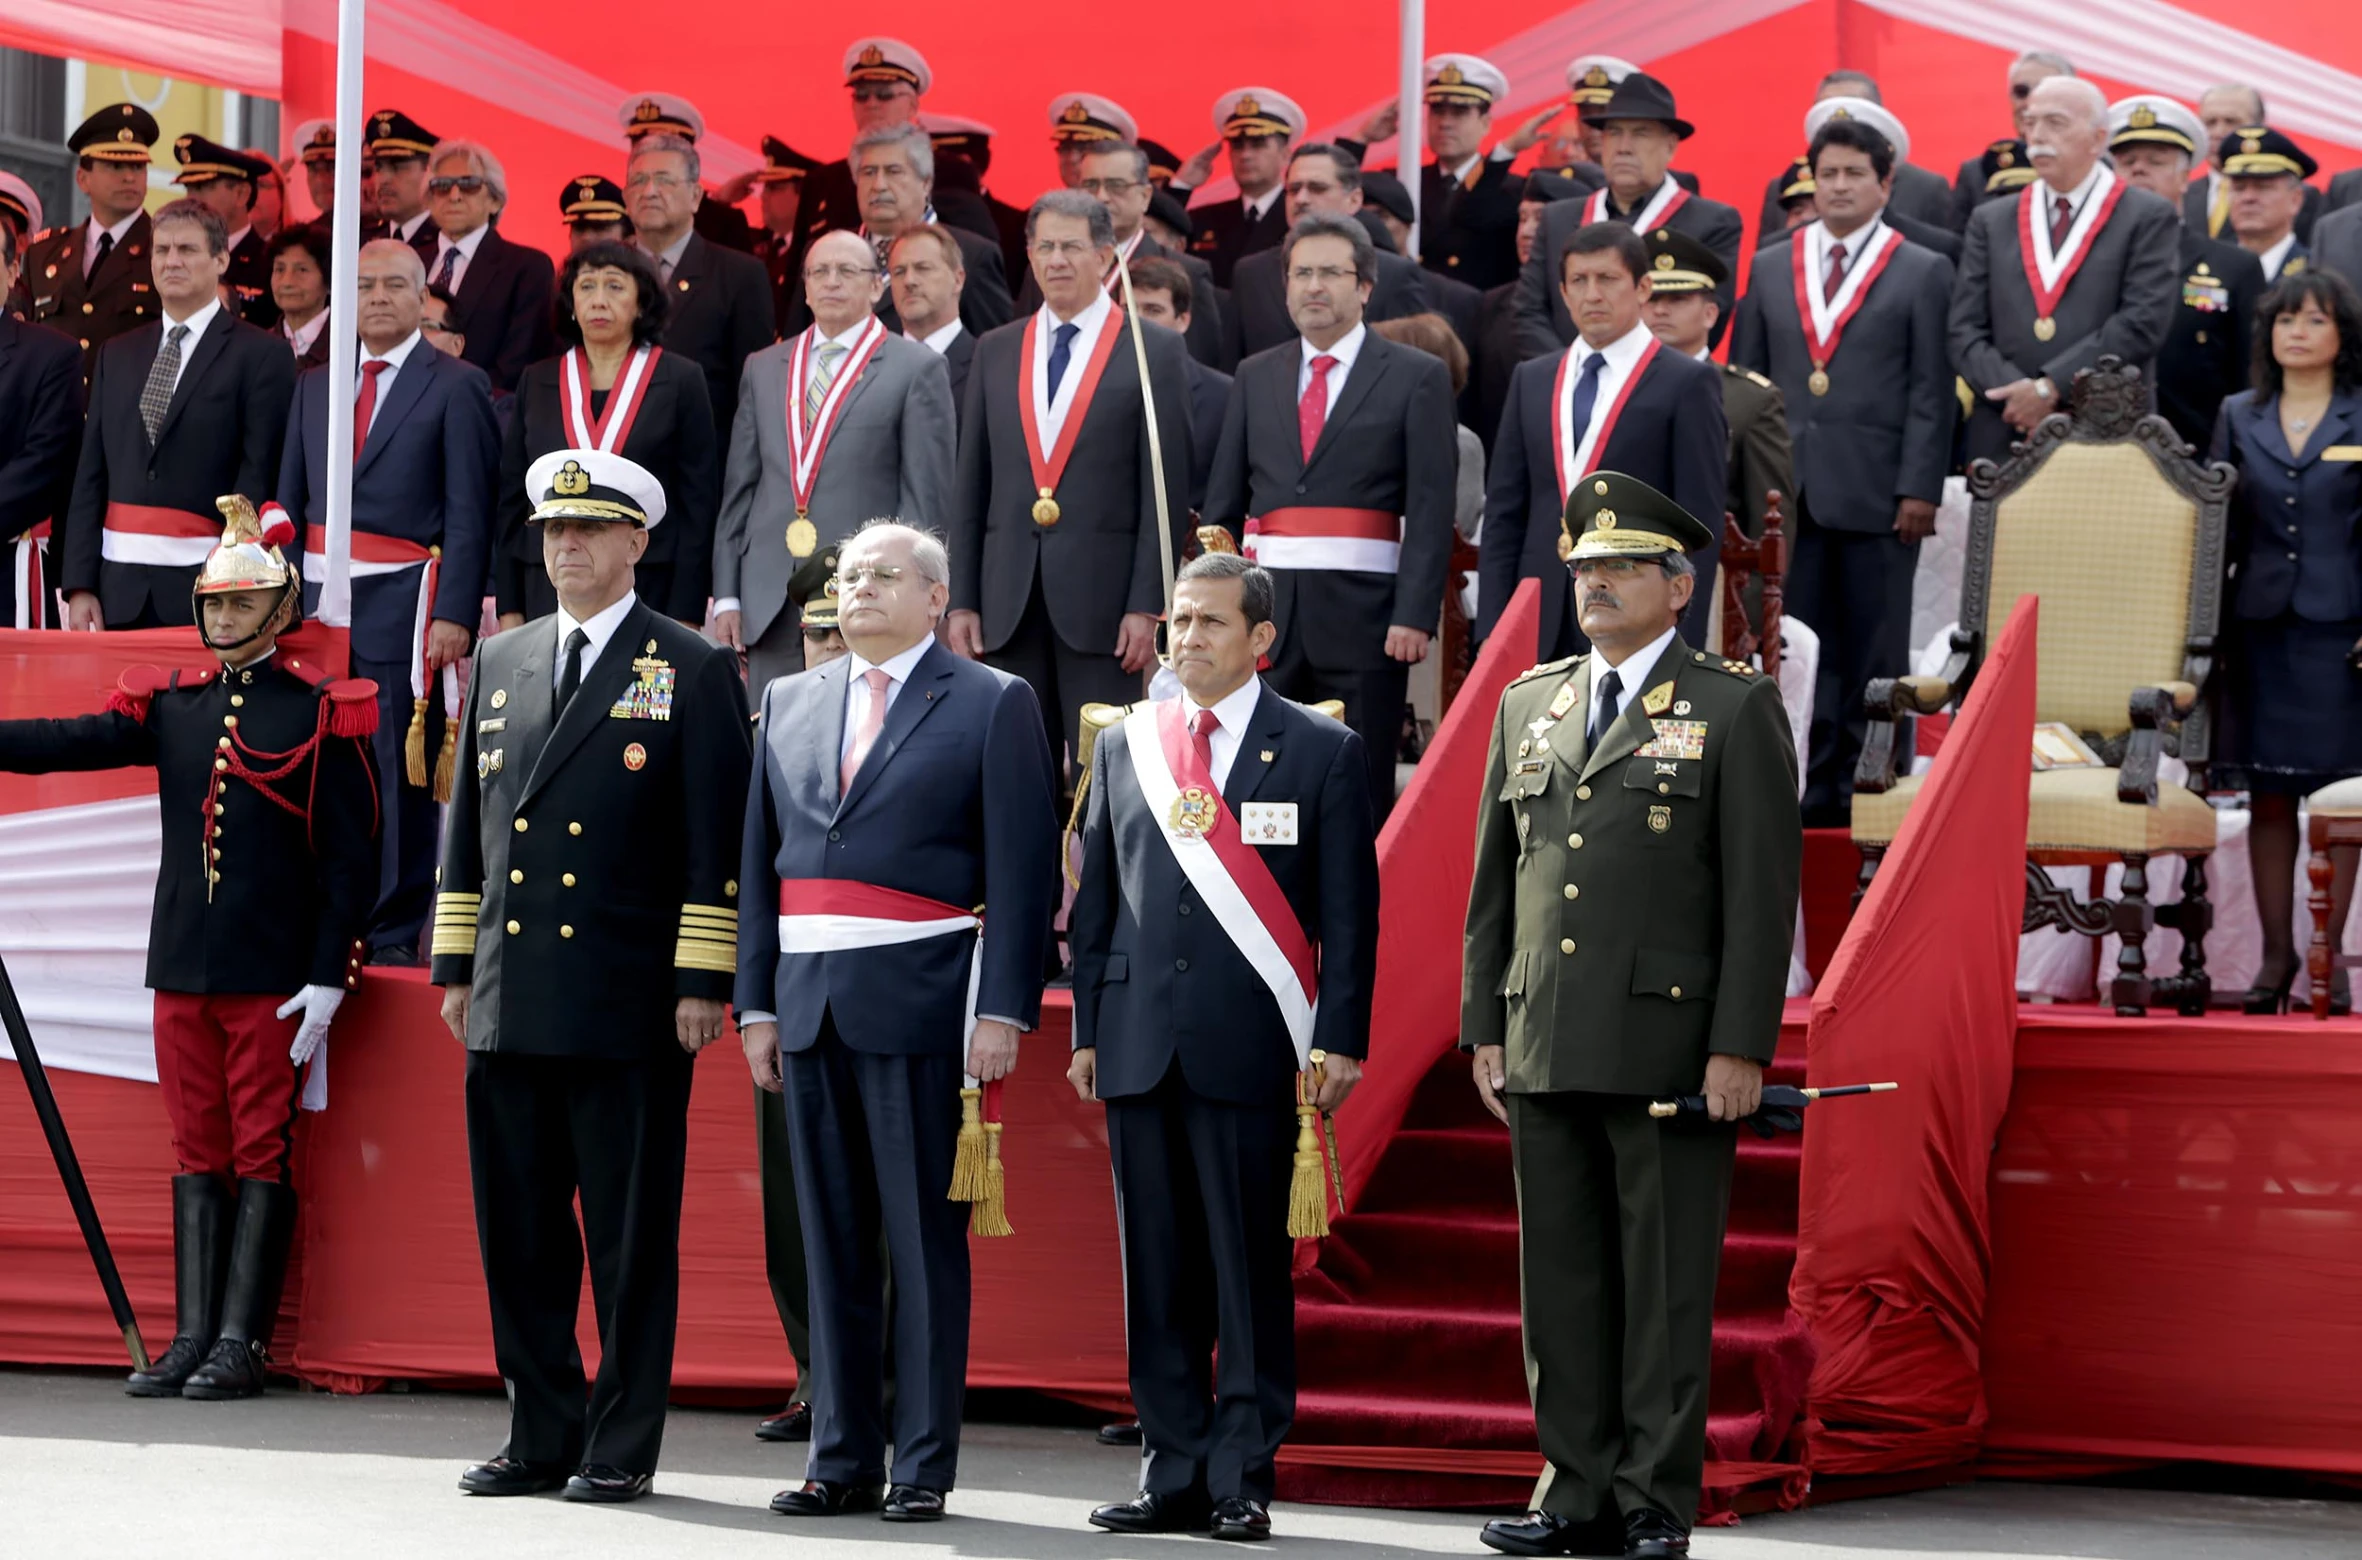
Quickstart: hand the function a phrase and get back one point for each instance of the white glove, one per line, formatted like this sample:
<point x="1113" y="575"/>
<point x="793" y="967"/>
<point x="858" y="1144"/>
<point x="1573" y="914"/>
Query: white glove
<point x="318" y="1005"/>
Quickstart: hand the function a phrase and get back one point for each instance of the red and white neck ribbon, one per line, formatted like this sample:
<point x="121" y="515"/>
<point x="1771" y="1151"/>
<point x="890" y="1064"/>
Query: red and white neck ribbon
<point x="1050" y="433"/>
<point x="806" y="444"/>
<point x="1123" y="257"/>
<point x="1670" y="197"/>
<point x="1825" y="318"/>
<point x="608" y="432"/>
<point x="2047" y="274"/>
<point x="29" y="576"/>
<point x="839" y="915"/>
<point x="1577" y="459"/>
<point x="1229" y="875"/>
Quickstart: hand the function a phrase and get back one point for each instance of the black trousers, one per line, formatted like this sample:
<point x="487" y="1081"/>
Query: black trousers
<point x="783" y="1235"/>
<point x="1853" y="588"/>
<point x="1063" y="678"/>
<point x="873" y="1138"/>
<point x="1374" y="702"/>
<point x="1201" y="1195"/>
<point x="1619" y="1235"/>
<point x="542" y="1130"/>
<point x="410" y="819"/>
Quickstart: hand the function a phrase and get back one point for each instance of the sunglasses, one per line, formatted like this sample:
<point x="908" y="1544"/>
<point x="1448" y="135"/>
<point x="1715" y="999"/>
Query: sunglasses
<point x="466" y="184"/>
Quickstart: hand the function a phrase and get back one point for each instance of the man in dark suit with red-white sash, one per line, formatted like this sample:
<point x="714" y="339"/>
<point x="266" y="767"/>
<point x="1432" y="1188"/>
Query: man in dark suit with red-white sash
<point x="1613" y="401"/>
<point x="2077" y="266"/>
<point x="1207" y="1031"/>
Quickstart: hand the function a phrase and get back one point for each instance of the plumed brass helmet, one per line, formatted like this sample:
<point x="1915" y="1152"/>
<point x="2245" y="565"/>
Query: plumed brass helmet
<point x="247" y="557"/>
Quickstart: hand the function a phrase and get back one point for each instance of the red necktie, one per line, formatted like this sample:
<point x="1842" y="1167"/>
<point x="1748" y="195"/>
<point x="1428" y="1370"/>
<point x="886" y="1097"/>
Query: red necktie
<point x="1202" y="726"/>
<point x="1836" y="277"/>
<point x="2062" y="217"/>
<point x="873" y="721"/>
<point x="1312" y="412"/>
<point x="367" y="404"/>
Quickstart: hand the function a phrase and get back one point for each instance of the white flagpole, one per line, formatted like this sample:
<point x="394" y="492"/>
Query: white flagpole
<point x="344" y="342"/>
<point x="1411" y="134"/>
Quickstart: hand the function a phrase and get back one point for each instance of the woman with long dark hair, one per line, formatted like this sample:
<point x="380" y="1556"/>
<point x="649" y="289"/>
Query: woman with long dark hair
<point x="2292" y="710"/>
<point x="614" y="388"/>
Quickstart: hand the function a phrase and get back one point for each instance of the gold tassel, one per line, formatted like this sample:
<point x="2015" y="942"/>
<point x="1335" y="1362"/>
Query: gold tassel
<point x="447" y="761"/>
<point x="1074" y="823"/>
<point x="991" y="1218"/>
<point x="1308" y="1193"/>
<point x="967" y="1160"/>
<point x="414" y="744"/>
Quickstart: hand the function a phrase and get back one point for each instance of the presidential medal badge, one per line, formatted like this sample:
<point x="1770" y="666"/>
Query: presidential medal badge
<point x="1045" y="509"/>
<point x="1194" y="813"/>
<point x="803" y="537"/>
<point x="635" y="758"/>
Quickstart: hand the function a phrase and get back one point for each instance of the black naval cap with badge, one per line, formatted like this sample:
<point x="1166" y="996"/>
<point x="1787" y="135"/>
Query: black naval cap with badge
<point x="594" y="485"/>
<point x="592" y="200"/>
<point x="119" y="132"/>
<point x="1678" y="263"/>
<point x="2261" y="152"/>
<point x="394" y="134"/>
<point x="813" y="588"/>
<point x="2006" y="168"/>
<point x="1610" y="515"/>
<point x="202" y="161"/>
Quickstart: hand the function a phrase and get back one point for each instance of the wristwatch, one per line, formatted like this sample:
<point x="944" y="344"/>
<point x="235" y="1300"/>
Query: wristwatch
<point x="2045" y="389"/>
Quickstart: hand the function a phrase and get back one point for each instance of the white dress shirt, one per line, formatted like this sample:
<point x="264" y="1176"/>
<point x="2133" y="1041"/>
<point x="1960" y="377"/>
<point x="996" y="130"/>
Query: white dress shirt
<point x="1049" y="412"/>
<point x="408" y="232"/>
<point x="239" y="237"/>
<point x="1635" y="666"/>
<point x="1348" y="348"/>
<point x="849" y="340"/>
<point x="940" y="342"/>
<point x="197" y="324"/>
<point x="1258" y="205"/>
<point x="90" y="238"/>
<point x="1234" y="710"/>
<point x="1818" y="241"/>
<point x="600" y="626"/>
<point x="1623" y="359"/>
<point x="2075" y="197"/>
<point x="2277" y="256"/>
<point x="393" y="360"/>
<point x="301" y="337"/>
<point x="467" y="248"/>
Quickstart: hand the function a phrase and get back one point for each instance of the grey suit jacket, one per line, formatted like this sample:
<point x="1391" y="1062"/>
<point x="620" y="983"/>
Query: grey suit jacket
<point x="892" y="452"/>
<point x="2120" y="301"/>
<point x="2337" y="243"/>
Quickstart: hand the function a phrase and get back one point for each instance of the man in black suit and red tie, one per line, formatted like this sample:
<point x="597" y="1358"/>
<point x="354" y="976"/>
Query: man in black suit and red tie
<point x="1056" y="573"/>
<point x="1339" y="465"/>
<point x="1613" y="401"/>
<point x="1639" y="131"/>
<point x="1198" y="1030"/>
<point x="500" y="291"/>
<point x="182" y="411"/>
<point x="2078" y="266"/>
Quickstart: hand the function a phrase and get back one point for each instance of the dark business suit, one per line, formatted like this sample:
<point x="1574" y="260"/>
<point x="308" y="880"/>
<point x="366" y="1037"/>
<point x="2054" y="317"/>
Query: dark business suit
<point x="1918" y="194"/>
<point x="1198" y="1070"/>
<point x="957" y="359"/>
<point x="1927" y="235"/>
<point x="221" y="435"/>
<point x="249" y="277"/>
<point x="1257" y="319"/>
<point x="1389" y="442"/>
<point x="1225" y="236"/>
<point x="955" y="803"/>
<point x="1468" y="232"/>
<point x="425" y="476"/>
<point x="2197" y="211"/>
<point x="502" y="306"/>
<point x="1882" y="433"/>
<point x="2345" y="189"/>
<point x="984" y="296"/>
<point x="1543" y="325"/>
<point x="40" y="398"/>
<point x="583" y="897"/>
<point x="672" y="438"/>
<point x="1495" y="355"/>
<point x="1209" y="393"/>
<point x="1672" y="435"/>
<point x="721" y="314"/>
<point x="1207" y="337"/>
<point x="118" y="295"/>
<point x="1052" y="597"/>
<point x="2120" y="301"/>
<point x="2337" y="244"/>
<point x="2207" y="354"/>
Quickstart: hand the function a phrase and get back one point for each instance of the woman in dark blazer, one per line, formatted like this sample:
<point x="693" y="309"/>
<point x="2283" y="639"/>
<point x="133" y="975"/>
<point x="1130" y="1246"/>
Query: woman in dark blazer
<point x="297" y="263"/>
<point x="610" y="314"/>
<point x="2292" y="713"/>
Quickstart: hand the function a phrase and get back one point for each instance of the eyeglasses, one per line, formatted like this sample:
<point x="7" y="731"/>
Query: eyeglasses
<point x="839" y="273"/>
<point x="1071" y="249"/>
<point x="436" y="328"/>
<point x="466" y="184"/>
<point x="658" y="181"/>
<point x="1613" y="568"/>
<point x="853" y="578"/>
<point x="1321" y="273"/>
<point x="1109" y="189"/>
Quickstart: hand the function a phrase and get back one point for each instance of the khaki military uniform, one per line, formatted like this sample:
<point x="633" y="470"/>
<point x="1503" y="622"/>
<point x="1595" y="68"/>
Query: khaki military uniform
<point x="1631" y="914"/>
<point x="1760" y="459"/>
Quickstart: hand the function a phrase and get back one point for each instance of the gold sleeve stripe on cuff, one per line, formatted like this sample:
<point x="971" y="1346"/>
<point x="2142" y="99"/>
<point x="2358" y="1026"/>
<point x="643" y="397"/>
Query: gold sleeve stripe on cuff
<point x="708" y="913"/>
<point x="459" y="940"/>
<point x="706" y="956"/>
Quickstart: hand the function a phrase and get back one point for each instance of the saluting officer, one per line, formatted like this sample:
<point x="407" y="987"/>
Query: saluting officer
<point x="586" y="938"/>
<point x="266" y="878"/>
<point x="91" y="279"/>
<point x="1638" y="851"/>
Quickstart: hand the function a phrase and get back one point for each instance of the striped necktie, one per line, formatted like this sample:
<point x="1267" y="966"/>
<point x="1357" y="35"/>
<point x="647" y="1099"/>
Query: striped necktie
<point x="824" y="374"/>
<point x="155" y="399"/>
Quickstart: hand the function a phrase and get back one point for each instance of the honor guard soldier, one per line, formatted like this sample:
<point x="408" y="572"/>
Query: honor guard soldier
<point x="586" y="938"/>
<point x="91" y="279"/>
<point x="225" y="180"/>
<point x="1638" y="853"/>
<point x="268" y="871"/>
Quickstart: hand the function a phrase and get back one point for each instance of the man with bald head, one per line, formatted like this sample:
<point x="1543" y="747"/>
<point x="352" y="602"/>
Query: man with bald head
<point x="2028" y="71"/>
<point x="2224" y="108"/>
<point x="2093" y="272"/>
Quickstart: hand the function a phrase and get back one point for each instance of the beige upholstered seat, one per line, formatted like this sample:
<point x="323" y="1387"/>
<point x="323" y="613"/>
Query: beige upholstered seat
<point x="2072" y="811"/>
<point x="2341" y="800"/>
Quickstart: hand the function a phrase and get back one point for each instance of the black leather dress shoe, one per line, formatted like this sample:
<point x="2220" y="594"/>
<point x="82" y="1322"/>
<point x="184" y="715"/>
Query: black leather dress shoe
<point x="913" y="1503"/>
<point x="1150" y="1512"/>
<point x="1241" y="1520"/>
<point x="792" y="1423"/>
<point x="506" y="1475"/>
<point x="1652" y="1535"/>
<point x="1124" y="1432"/>
<point x="826" y="1498"/>
<point x="1549" y="1533"/>
<point x="599" y="1483"/>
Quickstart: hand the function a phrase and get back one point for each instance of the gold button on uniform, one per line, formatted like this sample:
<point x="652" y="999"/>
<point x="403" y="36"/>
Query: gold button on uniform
<point x="574" y="828"/>
<point x="520" y="825"/>
<point x="565" y="931"/>
<point x="220" y="764"/>
<point x="1582" y="793"/>
<point x="516" y="874"/>
<point x="223" y="744"/>
<point x="568" y="880"/>
<point x="230" y="721"/>
<point x="514" y="928"/>
<point x="1676" y="991"/>
<point x="1566" y="945"/>
<point x="237" y="701"/>
<point x="730" y="888"/>
<point x="1663" y="788"/>
<point x="1573" y="892"/>
<point x="1574" y="842"/>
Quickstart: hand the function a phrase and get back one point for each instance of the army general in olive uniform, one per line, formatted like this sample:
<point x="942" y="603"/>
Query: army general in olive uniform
<point x="1637" y="862"/>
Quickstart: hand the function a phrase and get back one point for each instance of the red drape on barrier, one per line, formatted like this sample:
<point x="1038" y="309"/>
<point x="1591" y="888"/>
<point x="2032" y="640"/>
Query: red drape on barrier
<point x="1893" y="1238"/>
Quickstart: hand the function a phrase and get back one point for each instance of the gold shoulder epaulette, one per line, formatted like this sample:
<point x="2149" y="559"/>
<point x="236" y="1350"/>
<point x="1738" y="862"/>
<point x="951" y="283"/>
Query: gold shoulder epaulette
<point x="1544" y="670"/>
<point x="1739" y="669"/>
<point x="1758" y="378"/>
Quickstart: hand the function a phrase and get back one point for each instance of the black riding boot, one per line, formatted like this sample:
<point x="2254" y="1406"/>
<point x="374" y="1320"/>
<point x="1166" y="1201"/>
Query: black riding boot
<point x="200" y="1259"/>
<point x="258" y="1267"/>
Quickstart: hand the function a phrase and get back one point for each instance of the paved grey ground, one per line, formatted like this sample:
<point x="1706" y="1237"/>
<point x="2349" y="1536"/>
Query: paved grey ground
<point x="88" y="1474"/>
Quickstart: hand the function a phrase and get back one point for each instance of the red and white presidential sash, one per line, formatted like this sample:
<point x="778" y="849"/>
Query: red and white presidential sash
<point x="1578" y="459"/>
<point x="610" y="430"/>
<point x="2047" y="274"/>
<point x="1824" y="318"/>
<point x="1233" y="880"/>
<point x="30" y="553"/>
<point x="160" y="537"/>
<point x="1367" y="541"/>
<point x="1049" y="458"/>
<point x="375" y="555"/>
<point x="1670" y="197"/>
<point x="806" y="443"/>
<point x="838" y="915"/>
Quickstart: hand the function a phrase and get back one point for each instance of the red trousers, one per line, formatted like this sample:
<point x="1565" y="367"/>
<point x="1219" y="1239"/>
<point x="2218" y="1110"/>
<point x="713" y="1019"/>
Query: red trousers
<point x="230" y="1092"/>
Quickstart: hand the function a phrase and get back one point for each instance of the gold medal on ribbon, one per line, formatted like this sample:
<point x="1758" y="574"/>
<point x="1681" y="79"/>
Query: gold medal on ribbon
<point x="1818" y="384"/>
<point x="803" y="537"/>
<point x="1194" y="813"/>
<point x="1045" y="509"/>
<point x="2045" y="327"/>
